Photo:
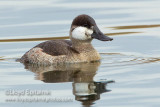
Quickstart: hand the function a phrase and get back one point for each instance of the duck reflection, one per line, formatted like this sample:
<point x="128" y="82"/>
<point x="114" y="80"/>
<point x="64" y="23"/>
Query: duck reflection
<point x="85" y="88"/>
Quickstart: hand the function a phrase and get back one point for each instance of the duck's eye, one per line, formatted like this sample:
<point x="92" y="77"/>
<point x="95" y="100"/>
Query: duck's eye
<point x="85" y="25"/>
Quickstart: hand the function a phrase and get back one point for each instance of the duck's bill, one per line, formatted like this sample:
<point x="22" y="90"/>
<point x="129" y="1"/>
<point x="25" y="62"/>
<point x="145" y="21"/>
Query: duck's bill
<point x="97" y="34"/>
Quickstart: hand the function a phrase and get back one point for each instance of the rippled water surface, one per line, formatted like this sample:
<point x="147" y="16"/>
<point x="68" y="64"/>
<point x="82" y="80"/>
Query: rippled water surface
<point x="127" y="76"/>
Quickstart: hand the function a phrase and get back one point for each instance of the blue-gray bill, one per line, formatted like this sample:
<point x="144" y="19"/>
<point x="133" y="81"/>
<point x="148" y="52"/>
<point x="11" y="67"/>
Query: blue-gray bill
<point x="97" y="34"/>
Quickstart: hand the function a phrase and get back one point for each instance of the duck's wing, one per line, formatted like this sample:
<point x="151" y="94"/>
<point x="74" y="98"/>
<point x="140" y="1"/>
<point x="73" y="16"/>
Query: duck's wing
<point x="57" y="47"/>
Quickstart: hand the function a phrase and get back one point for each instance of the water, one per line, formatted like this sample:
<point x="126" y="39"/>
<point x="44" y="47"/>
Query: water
<point x="127" y="76"/>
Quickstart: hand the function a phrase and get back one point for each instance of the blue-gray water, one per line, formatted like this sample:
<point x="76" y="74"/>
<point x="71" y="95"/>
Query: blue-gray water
<point x="131" y="60"/>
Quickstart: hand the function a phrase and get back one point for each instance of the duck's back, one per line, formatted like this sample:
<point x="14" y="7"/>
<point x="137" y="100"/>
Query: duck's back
<point x="55" y="47"/>
<point x="48" y="51"/>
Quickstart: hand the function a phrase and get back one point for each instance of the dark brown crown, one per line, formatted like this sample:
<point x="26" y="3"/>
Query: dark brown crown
<point x="83" y="20"/>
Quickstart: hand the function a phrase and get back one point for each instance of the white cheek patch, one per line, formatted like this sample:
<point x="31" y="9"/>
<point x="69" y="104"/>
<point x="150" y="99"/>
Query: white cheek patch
<point x="89" y="32"/>
<point x="80" y="33"/>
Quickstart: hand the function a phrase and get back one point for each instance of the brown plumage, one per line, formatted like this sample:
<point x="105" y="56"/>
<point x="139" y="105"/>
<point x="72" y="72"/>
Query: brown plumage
<point x="59" y="51"/>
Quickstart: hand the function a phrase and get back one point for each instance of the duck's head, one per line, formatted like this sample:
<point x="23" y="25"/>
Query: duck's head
<point x="84" y="28"/>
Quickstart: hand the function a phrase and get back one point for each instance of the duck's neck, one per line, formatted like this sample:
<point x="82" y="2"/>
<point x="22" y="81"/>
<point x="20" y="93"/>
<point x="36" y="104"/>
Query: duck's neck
<point x="82" y="46"/>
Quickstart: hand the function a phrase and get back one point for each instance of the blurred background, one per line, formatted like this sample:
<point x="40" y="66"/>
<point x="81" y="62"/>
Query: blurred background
<point x="131" y="60"/>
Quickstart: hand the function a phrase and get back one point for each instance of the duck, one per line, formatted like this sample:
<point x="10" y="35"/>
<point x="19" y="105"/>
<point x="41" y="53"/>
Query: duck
<point x="76" y="50"/>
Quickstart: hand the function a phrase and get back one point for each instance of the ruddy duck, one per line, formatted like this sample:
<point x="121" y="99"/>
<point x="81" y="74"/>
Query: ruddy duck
<point x="77" y="49"/>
